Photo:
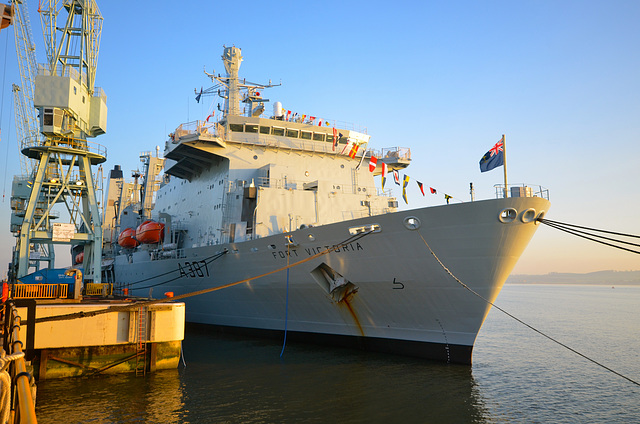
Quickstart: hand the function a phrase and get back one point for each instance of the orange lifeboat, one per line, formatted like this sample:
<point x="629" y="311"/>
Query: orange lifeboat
<point x="127" y="239"/>
<point x="79" y="258"/>
<point x="150" y="232"/>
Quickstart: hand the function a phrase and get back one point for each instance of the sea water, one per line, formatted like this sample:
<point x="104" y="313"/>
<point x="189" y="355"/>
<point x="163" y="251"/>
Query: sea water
<point x="517" y="376"/>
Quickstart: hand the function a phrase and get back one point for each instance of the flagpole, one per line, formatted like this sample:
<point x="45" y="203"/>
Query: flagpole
<point x="504" y="154"/>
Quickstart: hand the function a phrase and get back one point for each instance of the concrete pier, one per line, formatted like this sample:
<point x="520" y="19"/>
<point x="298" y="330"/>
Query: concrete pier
<point x="140" y="340"/>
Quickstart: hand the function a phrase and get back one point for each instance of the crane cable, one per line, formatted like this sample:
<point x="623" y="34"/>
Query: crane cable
<point x="4" y="75"/>
<point x="521" y="321"/>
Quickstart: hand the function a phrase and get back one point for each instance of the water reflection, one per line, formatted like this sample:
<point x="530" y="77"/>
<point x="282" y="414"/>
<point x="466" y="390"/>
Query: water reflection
<point x="158" y="398"/>
<point x="230" y="379"/>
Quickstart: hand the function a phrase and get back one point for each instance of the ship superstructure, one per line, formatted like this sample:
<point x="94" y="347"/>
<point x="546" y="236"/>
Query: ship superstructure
<point x="252" y="192"/>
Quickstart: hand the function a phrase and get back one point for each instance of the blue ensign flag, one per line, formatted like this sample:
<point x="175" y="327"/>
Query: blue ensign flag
<point x="493" y="158"/>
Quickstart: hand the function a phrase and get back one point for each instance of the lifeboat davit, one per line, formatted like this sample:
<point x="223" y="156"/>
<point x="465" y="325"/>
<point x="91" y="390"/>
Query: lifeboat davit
<point x="150" y="232"/>
<point x="127" y="239"/>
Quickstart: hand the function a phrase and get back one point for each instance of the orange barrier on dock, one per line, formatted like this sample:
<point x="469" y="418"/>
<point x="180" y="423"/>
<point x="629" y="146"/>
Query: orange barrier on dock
<point x="94" y="289"/>
<point x="40" y="291"/>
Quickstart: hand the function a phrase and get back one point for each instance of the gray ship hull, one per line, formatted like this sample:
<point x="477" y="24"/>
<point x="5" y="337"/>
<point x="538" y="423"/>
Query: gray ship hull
<point x="382" y="290"/>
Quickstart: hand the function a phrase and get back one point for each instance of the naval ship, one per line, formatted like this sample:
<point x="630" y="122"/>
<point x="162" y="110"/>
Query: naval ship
<point x="288" y="205"/>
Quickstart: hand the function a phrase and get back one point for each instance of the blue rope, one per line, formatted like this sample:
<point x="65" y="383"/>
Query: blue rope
<point x="286" y="316"/>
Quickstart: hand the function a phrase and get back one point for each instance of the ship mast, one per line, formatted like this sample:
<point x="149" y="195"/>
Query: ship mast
<point x="232" y="58"/>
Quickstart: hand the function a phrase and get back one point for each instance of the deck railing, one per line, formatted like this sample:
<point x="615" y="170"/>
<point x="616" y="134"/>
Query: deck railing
<point x="521" y="190"/>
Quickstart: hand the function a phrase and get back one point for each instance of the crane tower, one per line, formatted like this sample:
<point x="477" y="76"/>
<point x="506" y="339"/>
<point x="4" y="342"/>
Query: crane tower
<point x="71" y="110"/>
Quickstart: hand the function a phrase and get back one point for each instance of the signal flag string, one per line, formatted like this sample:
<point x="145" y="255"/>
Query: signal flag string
<point x="521" y="321"/>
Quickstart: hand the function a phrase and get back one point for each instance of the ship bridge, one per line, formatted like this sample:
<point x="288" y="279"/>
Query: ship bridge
<point x="196" y="146"/>
<point x="189" y="149"/>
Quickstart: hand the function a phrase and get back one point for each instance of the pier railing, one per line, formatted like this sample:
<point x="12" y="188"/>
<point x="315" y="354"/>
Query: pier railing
<point x="40" y="291"/>
<point x="58" y="291"/>
<point x="98" y="289"/>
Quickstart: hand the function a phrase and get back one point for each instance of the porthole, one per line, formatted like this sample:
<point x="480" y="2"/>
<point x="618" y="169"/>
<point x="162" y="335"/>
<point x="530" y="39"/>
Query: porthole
<point x="528" y="215"/>
<point x="412" y="223"/>
<point x="255" y="157"/>
<point x="507" y="215"/>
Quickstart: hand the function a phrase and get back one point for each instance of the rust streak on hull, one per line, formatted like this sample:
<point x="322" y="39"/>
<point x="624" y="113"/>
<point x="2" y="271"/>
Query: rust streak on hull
<point x="347" y="302"/>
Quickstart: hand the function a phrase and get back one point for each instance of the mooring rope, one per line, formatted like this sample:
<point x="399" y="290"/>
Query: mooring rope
<point x="570" y="228"/>
<point x="286" y="305"/>
<point x="5" y="384"/>
<point x="521" y="321"/>
<point x="207" y="262"/>
<point x="136" y="305"/>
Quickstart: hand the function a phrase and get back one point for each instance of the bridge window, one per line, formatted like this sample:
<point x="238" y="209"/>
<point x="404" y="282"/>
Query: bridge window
<point x="278" y="131"/>
<point x="265" y="130"/>
<point x="251" y="128"/>
<point x="292" y="133"/>
<point x="236" y="127"/>
<point x="318" y="137"/>
<point x="305" y="135"/>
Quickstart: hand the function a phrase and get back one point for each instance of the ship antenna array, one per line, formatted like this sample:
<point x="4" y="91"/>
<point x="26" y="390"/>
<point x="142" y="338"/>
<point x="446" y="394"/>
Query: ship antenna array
<point x="232" y="58"/>
<point x="529" y="326"/>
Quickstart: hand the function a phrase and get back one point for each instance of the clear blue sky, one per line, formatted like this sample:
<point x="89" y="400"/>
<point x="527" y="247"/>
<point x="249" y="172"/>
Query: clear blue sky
<point x="560" y="78"/>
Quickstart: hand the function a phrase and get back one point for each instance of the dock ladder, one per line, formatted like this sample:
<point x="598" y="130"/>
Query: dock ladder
<point x="141" y="351"/>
